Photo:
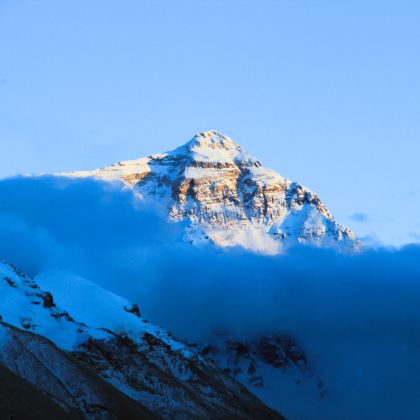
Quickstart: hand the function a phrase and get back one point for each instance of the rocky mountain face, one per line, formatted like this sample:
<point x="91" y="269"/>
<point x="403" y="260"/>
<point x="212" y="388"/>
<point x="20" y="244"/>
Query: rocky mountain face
<point x="275" y="368"/>
<point x="64" y="368"/>
<point x="227" y="197"/>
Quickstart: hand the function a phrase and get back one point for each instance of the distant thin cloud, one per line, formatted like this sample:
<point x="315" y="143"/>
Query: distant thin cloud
<point x="413" y="193"/>
<point x="415" y="236"/>
<point x="360" y="217"/>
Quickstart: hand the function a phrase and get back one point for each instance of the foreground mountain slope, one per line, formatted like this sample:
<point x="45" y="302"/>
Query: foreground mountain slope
<point x="72" y="390"/>
<point x="21" y="400"/>
<point x="228" y="197"/>
<point x="100" y="373"/>
<point x="146" y="354"/>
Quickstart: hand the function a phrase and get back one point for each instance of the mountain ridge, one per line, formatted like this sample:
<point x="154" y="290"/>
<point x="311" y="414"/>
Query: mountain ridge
<point x="122" y="365"/>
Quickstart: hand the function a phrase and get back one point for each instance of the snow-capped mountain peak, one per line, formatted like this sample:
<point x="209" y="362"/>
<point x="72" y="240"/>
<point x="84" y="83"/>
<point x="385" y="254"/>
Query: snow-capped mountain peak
<point x="212" y="147"/>
<point x="228" y="197"/>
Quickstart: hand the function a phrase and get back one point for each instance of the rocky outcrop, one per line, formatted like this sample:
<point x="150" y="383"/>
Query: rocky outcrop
<point x="245" y="358"/>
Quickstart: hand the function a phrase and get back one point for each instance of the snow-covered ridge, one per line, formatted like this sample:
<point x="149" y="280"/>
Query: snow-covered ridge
<point x="229" y="198"/>
<point x="123" y="355"/>
<point x="26" y="305"/>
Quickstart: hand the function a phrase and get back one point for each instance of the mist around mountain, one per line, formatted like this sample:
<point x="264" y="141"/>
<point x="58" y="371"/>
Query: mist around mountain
<point x="353" y="318"/>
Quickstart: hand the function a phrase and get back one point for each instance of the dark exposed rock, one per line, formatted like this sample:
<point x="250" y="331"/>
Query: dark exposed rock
<point x="62" y="314"/>
<point x="9" y="281"/>
<point x="47" y="299"/>
<point x="134" y="309"/>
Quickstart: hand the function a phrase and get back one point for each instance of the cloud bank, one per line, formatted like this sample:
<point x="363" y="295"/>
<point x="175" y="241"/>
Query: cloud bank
<point x="357" y="317"/>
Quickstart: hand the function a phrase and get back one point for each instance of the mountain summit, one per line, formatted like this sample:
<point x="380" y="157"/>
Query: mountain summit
<point x="227" y="197"/>
<point x="213" y="146"/>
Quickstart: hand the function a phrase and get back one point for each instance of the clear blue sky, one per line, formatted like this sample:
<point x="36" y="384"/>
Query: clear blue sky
<point x="325" y="92"/>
